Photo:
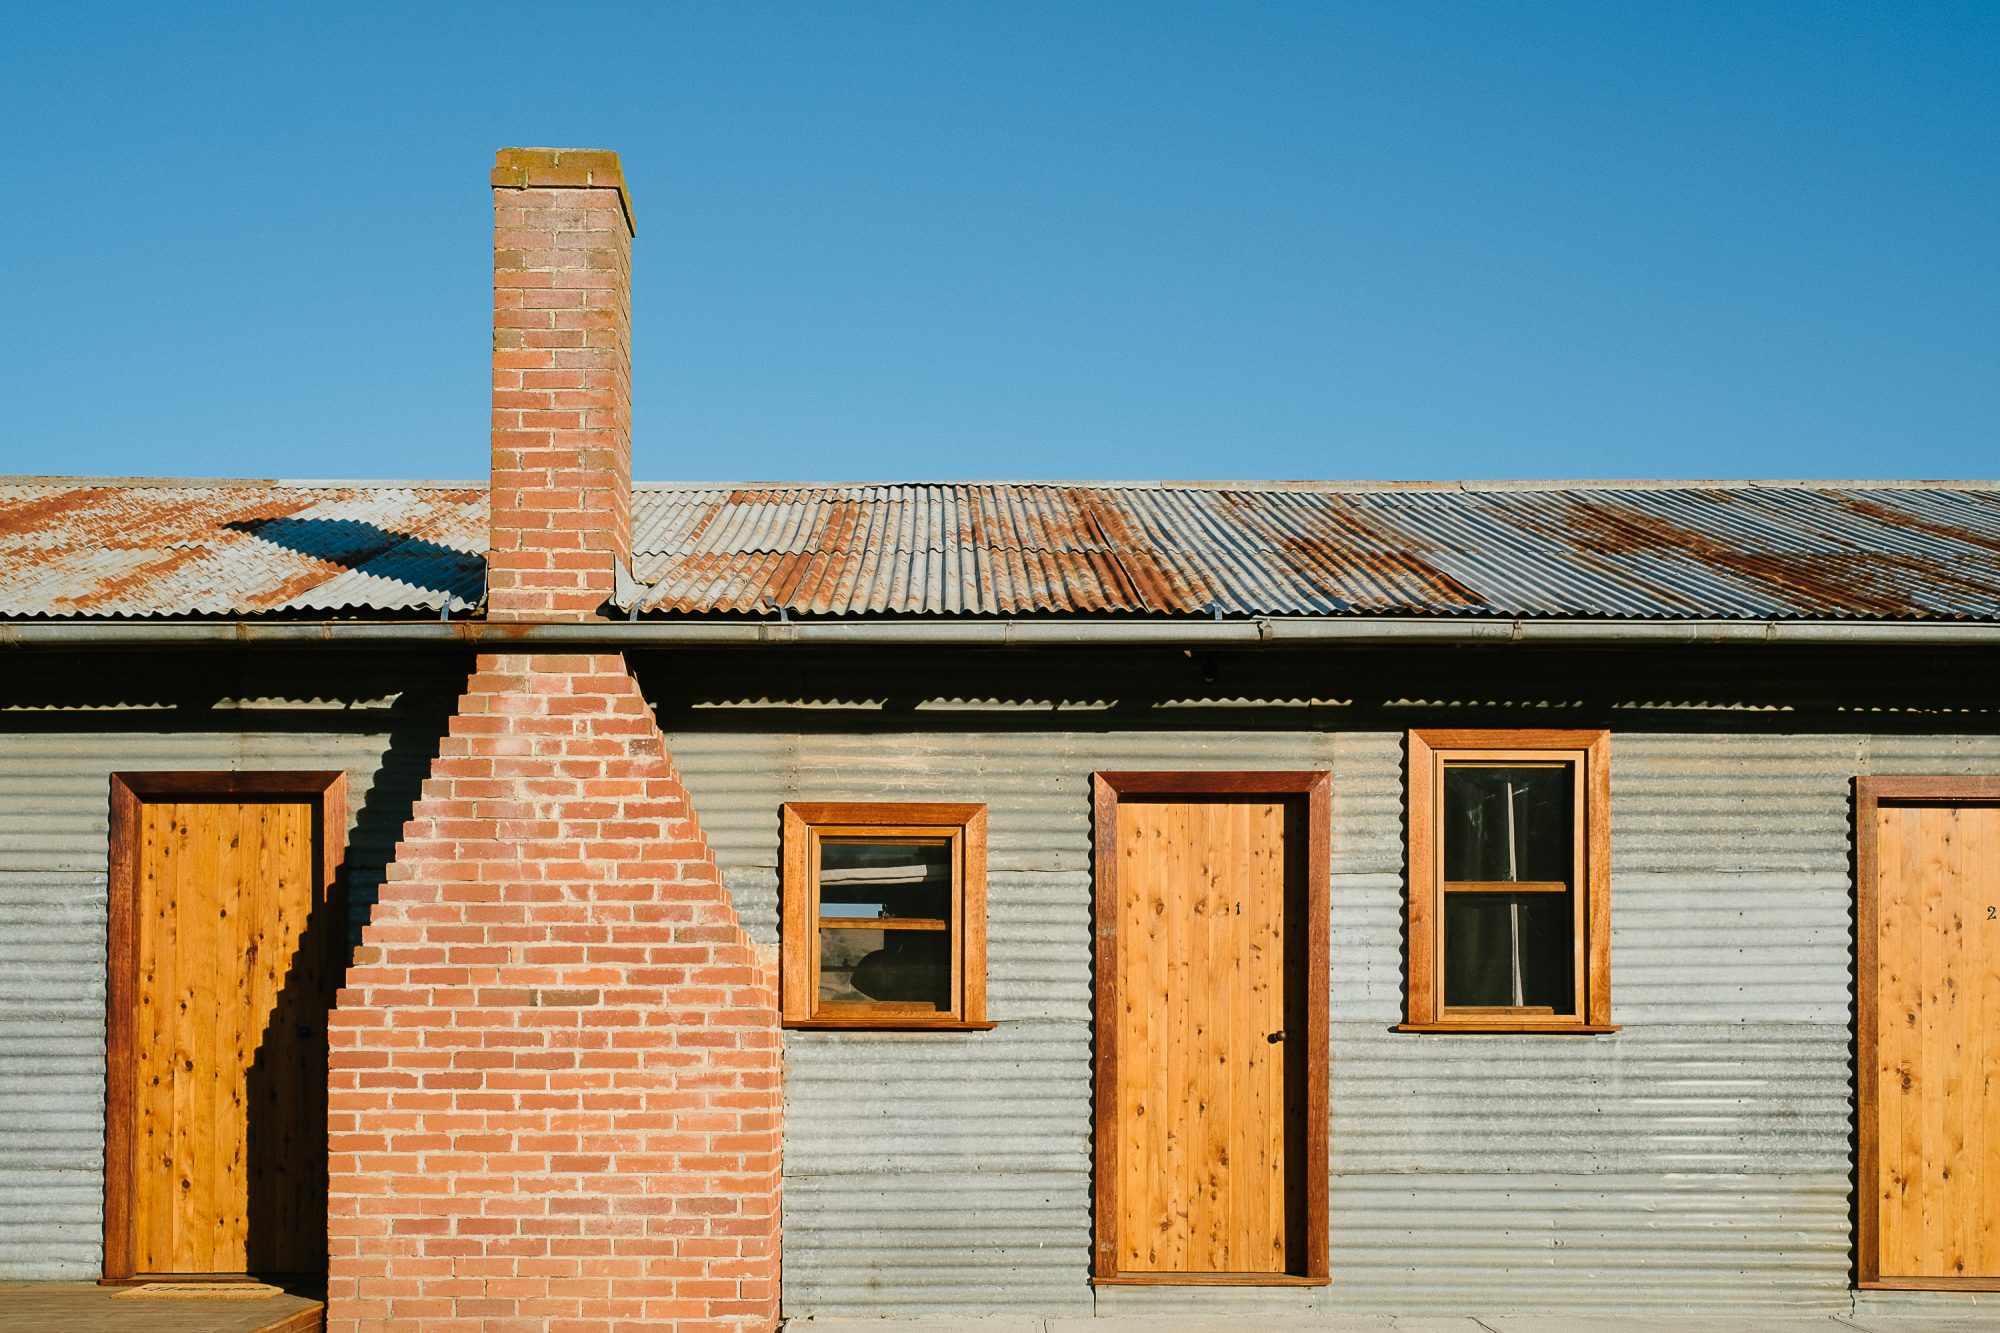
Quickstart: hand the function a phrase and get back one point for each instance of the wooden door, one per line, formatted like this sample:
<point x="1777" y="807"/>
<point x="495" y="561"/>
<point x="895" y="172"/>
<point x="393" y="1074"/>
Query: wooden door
<point x="1929" y="1043"/>
<point x="226" y="964"/>
<point x="1211" y="1028"/>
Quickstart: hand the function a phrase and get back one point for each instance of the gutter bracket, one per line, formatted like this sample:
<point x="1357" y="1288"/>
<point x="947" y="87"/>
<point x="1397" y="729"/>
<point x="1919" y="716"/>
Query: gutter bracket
<point x="626" y="591"/>
<point x="1188" y="633"/>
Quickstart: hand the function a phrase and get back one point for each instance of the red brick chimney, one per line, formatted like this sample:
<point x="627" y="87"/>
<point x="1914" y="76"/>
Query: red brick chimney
<point x="562" y="383"/>
<point x="554" y="1097"/>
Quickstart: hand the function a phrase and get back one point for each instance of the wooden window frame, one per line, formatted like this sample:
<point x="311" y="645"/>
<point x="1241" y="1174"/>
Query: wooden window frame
<point x="1429" y="751"/>
<point x="326" y="791"/>
<point x="805" y="822"/>
<point x="1106" y="790"/>
<point x="1870" y="794"/>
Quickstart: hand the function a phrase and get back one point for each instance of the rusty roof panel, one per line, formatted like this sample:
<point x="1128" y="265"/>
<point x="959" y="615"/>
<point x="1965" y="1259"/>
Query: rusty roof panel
<point x="1634" y="550"/>
<point x="238" y="548"/>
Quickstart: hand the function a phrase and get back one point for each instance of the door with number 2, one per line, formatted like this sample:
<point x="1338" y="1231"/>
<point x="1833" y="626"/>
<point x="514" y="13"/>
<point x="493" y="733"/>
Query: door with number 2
<point x="1928" y="860"/>
<point x="1211" y="1028"/>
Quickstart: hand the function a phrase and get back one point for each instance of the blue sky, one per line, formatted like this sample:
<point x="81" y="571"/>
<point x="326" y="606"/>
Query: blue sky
<point x="976" y="240"/>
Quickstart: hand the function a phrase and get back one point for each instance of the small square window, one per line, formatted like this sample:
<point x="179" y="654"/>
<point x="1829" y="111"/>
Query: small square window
<point x="884" y="915"/>
<point x="1509" y="881"/>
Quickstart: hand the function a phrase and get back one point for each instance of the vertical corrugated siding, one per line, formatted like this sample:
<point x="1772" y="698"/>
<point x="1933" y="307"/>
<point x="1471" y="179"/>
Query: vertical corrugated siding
<point x="54" y="783"/>
<point x="1697" y="1160"/>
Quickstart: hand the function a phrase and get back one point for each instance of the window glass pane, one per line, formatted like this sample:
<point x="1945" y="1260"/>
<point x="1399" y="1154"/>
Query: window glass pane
<point x="860" y="877"/>
<point x="1503" y="823"/>
<point x="904" y="966"/>
<point x="1510" y="950"/>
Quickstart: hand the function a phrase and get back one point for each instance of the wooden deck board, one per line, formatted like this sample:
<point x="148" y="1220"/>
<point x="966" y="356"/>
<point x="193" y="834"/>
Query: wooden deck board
<point x="77" y="1307"/>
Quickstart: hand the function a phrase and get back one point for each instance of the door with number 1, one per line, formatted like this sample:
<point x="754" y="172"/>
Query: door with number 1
<point x="225" y="944"/>
<point x="1211" y="1028"/>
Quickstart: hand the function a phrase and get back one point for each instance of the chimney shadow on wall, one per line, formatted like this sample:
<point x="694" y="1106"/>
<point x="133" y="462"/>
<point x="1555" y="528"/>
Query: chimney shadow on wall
<point x="285" y="1133"/>
<point x="422" y="718"/>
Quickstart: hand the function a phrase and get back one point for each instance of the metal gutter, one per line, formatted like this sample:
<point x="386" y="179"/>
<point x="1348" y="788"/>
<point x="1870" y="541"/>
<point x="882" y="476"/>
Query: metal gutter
<point x="1278" y="631"/>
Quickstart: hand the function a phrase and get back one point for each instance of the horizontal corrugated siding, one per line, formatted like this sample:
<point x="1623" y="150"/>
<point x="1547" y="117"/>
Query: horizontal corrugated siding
<point x="955" y="1243"/>
<point x="1615" y="1243"/>
<point x="1730" y="882"/>
<point x="1697" y="1160"/>
<point x="1758" y="1100"/>
<point x="54" y="784"/>
<point x="983" y="1136"/>
<point x="1730" y="804"/>
<point x="1926" y="755"/>
<point x="1036" y="784"/>
<point x="1366" y="891"/>
<point x="51" y="1073"/>
<point x="1013" y="1099"/>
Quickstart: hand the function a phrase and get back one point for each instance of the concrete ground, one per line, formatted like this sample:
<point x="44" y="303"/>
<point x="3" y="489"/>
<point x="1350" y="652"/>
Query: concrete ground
<point x="1970" y="1322"/>
<point x="75" y="1307"/>
<point x="85" y="1307"/>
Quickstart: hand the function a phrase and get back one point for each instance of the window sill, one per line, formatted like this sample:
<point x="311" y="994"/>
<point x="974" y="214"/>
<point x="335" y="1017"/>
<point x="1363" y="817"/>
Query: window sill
<point x="1505" y="1026"/>
<point x="882" y="1024"/>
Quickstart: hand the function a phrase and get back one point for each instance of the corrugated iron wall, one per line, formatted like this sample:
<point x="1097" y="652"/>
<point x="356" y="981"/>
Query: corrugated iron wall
<point x="64" y="728"/>
<point x="1699" y="1159"/>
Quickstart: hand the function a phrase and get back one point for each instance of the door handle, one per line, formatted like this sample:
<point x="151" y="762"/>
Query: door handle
<point x="1276" y="1037"/>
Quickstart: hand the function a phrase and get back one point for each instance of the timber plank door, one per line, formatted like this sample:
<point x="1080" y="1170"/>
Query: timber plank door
<point x="1927" y="862"/>
<point x="1211" y="1028"/>
<point x="225" y="937"/>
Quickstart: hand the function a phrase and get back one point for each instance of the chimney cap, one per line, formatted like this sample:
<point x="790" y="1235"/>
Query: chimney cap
<point x="563" y="169"/>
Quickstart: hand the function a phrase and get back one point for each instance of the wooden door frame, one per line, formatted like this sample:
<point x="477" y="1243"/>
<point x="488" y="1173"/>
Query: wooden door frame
<point x="326" y="791"/>
<point x="1107" y="788"/>
<point x="1870" y="794"/>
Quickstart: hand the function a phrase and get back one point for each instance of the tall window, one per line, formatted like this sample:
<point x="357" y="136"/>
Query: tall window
<point x="884" y="915"/>
<point x="1510" y="926"/>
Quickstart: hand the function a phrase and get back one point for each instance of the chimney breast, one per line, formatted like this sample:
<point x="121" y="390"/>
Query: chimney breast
<point x="561" y="516"/>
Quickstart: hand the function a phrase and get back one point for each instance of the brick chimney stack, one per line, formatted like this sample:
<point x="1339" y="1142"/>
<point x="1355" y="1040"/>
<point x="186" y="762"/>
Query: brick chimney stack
<point x="554" y="1087"/>
<point x="562" y="383"/>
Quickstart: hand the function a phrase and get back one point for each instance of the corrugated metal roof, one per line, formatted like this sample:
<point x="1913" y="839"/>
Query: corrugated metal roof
<point x="118" y="549"/>
<point x="1708" y="551"/>
<point x="1889" y="551"/>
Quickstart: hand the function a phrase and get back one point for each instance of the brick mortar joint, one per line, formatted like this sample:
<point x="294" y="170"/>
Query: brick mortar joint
<point x="518" y="180"/>
<point x="502" y="675"/>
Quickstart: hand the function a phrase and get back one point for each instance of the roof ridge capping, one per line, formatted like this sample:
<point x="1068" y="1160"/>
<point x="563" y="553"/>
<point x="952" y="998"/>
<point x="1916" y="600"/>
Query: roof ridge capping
<point x="1329" y="487"/>
<point x="1581" y="484"/>
<point x="269" y="483"/>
